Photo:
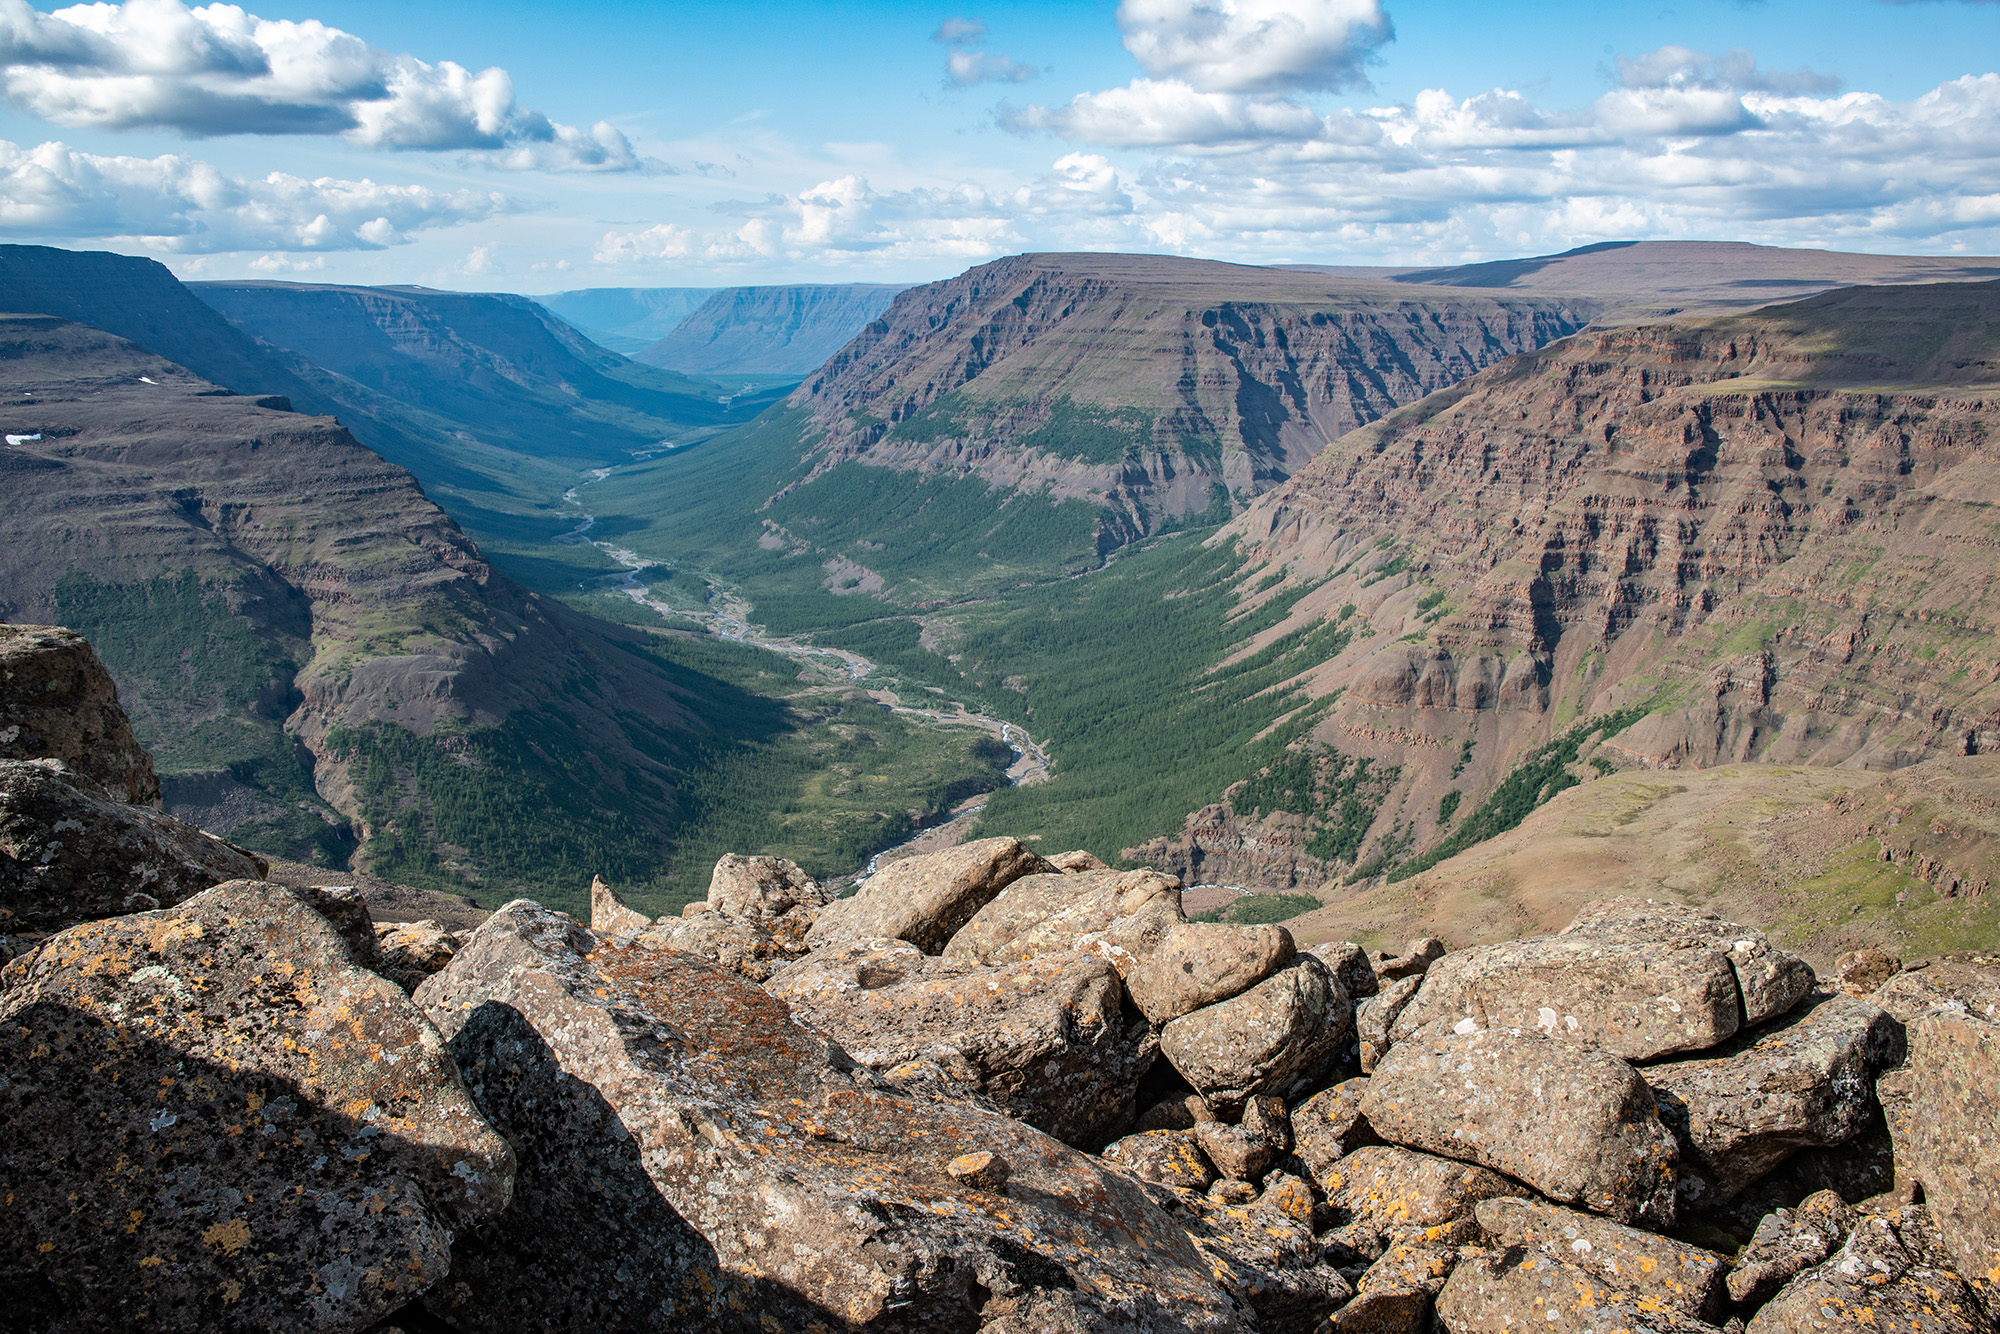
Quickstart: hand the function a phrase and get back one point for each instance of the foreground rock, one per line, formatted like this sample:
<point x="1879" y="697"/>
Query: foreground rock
<point x="1578" y="1125"/>
<point x="1377" y="1193"/>
<point x="608" y="913"/>
<point x="1771" y="981"/>
<point x="925" y="900"/>
<point x="691" y="1158"/>
<point x="1278" y="1037"/>
<point x="1885" y="1277"/>
<point x="1262" y="1251"/>
<point x="1806" y="1082"/>
<point x="1507" y="1291"/>
<point x="744" y="948"/>
<point x="1788" y="1242"/>
<point x="1654" y="1271"/>
<point x="1131" y="912"/>
<point x="69" y="854"/>
<point x="413" y="951"/>
<point x="210" y="1118"/>
<point x="1329" y="1125"/>
<point x="1045" y="1039"/>
<point x="57" y="702"/>
<point x="774" y="893"/>
<point x="1200" y="963"/>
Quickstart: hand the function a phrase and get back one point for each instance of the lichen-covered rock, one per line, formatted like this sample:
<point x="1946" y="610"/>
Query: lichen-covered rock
<point x="1278" y="1037"/>
<point x="1047" y="1037"/>
<point x="744" y="948"/>
<point x="1651" y="1270"/>
<point x="926" y="899"/>
<point x="1164" y="1157"/>
<point x="691" y="1158"/>
<point x="1200" y="963"/>
<point x="1771" y="981"/>
<point x="1414" y="961"/>
<point x="1263" y="1253"/>
<point x="1787" y="1243"/>
<point x="1078" y="861"/>
<point x="1329" y="1125"/>
<point x="1182" y="1111"/>
<point x="1385" y="1310"/>
<point x="1577" y="1124"/>
<point x="774" y="893"/>
<point x="211" y="1118"/>
<point x="68" y="854"/>
<point x="1243" y="1152"/>
<point x="1968" y="981"/>
<point x="57" y="702"/>
<point x="413" y="951"/>
<point x="1882" y="1278"/>
<point x="1509" y="1291"/>
<point x="1056" y="913"/>
<point x="1376" y="1016"/>
<point x="1807" y="1081"/>
<point x="608" y="912"/>
<point x="1377" y="1192"/>
<point x="1419" y="1258"/>
<point x="347" y="909"/>
<point x="1350" y="967"/>
<point x="1861" y="971"/>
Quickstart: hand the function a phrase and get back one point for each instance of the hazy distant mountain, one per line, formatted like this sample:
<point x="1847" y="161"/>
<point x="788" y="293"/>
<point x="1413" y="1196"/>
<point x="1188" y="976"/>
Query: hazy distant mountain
<point x="769" y="330"/>
<point x="627" y="320"/>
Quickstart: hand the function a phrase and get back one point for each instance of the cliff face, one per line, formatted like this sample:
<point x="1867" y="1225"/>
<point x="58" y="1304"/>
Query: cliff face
<point x="1146" y="383"/>
<point x="1771" y="533"/>
<point x="786" y="330"/>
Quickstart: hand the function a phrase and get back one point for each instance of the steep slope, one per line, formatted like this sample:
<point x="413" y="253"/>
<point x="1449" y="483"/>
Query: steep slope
<point x="627" y="320"/>
<point x="1766" y="537"/>
<point x="1151" y="386"/>
<point x="768" y="330"/>
<point x="297" y="631"/>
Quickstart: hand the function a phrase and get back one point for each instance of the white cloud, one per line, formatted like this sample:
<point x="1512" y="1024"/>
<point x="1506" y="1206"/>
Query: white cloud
<point x="217" y="69"/>
<point x="966" y="68"/>
<point x="180" y="205"/>
<point x="1255" y="46"/>
<point x="960" y="32"/>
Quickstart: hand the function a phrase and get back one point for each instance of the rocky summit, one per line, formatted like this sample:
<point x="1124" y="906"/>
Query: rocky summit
<point x="991" y="1091"/>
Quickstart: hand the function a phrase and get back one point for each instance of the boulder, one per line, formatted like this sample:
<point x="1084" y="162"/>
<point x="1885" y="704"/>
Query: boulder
<point x="1262" y="1251"/>
<point x="774" y="893"/>
<point x="1508" y="1291"/>
<point x="69" y="854"/>
<point x="57" y="702"/>
<point x="693" y="1158"/>
<point x="1802" y="1083"/>
<point x="1374" y="1018"/>
<point x="1650" y="1270"/>
<point x="1787" y="1243"/>
<point x="1771" y="981"/>
<point x="347" y="910"/>
<point x="1278" y="1037"/>
<point x="413" y="951"/>
<point x="926" y="899"/>
<point x="1348" y="963"/>
<point x="1861" y="971"/>
<point x="1395" y="1294"/>
<point x="609" y="914"/>
<point x="1055" y="913"/>
<point x="1165" y="1157"/>
<point x="1577" y="1124"/>
<point x="1414" y="961"/>
<point x="1968" y="981"/>
<point x="1329" y="1125"/>
<point x="1200" y="963"/>
<point x="1947" y="1133"/>
<point x="1045" y="1038"/>
<point x="212" y="1118"/>
<point x="744" y="948"/>
<point x="1078" y="861"/>
<point x="1381" y="1192"/>
<point x="1182" y="1111"/>
<point x="1244" y="1152"/>
<point x="1385" y="1310"/>
<point x="1882" y="1278"/>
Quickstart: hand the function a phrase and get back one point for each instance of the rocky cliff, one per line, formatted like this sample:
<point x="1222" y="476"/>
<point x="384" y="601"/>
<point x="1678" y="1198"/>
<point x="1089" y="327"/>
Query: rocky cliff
<point x="785" y="330"/>
<point x="1760" y="538"/>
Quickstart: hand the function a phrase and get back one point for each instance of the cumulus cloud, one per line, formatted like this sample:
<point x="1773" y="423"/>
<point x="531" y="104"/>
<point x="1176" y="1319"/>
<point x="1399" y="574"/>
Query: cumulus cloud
<point x="180" y="205"/>
<point x="1255" y="46"/>
<point x="968" y="65"/>
<point x="217" y="69"/>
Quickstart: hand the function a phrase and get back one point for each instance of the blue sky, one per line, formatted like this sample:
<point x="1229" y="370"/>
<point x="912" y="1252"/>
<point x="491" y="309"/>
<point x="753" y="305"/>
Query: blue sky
<point x="517" y="146"/>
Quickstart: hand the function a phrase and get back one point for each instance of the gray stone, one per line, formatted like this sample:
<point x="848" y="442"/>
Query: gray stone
<point x="1771" y="981"/>
<point x="1802" y="1083"/>
<point x="744" y="948"/>
<point x="1164" y="1157"/>
<point x="1046" y="1037"/>
<point x="1787" y="1243"/>
<point x="1508" y="1291"/>
<point x="926" y="899"/>
<point x="347" y="909"/>
<point x="1262" y="1251"/>
<point x="1861" y="971"/>
<point x="1651" y="1270"/>
<point x="1057" y="913"/>
<point x="1078" y="861"/>
<point x="57" y="702"/>
<point x="692" y="1158"/>
<point x="1414" y="961"/>
<point x="413" y="951"/>
<point x="1968" y="981"/>
<point x="1200" y="963"/>
<point x="1385" y="1310"/>
<point x="212" y="1118"/>
<point x="1278" y="1037"/>
<point x="1243" y="1152"/>
<point x="1348" y="963"/>
<point x="1329" y="1125"/>
<point x="1577" y="1124"/>
<point x="1380" y="1193"/>
<point x="1875" y="1283"/>
<point x="1183" y="1111"/>
<point x="608" y="914"/>
<point x="1374" y="1018"/>
<point x="774" y="893"/>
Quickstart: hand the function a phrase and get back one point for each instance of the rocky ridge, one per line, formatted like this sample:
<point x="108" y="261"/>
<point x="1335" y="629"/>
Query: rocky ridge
<point x="733" y="1120"/>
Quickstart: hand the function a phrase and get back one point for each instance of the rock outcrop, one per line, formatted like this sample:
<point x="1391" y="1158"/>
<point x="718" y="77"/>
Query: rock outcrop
<point x="1121" y="914"/>
<point x="1200" y="963"/>
<point x="57" y="702"/>
<point x="1278" y="1037"/>
<point x="925" y="900"/>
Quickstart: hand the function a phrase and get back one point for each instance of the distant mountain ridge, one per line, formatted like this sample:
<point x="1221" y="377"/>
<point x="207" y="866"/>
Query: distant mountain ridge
<point x="780" y="330"/>
<point x="627" y="320"/>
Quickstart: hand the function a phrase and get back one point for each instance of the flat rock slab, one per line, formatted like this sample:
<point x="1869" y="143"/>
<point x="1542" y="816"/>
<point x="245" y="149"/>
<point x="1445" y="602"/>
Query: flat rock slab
<point x="693" y="1158"/>
<point x="1771" y="980"/>
<point x="1056" y="913"/>
<point x="210" y="1118"/>
<point x="1200" y="963"/>
<point x="1045" y="1038"/>
<point x="1378" y="1191"/>
<point x="925" y="900"/>
<point x="1508" y="1291"/>
<point x="1968" y="981"/>
<point x="57" y="702"/>
<point x="1805" y="1082"/>
<point x="69" y="854"/>
<point x="1277" y="1037"/>
<point x="1578" y="1125"/>
<point x="1650" y="1269"/>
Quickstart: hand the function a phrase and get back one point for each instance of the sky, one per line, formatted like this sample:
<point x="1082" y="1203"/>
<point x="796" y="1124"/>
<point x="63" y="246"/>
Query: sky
<point x="504" y="145"/>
